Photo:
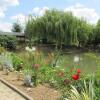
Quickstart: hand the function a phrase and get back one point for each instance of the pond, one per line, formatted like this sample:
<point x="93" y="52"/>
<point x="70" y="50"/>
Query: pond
<point x="86" y="61"/>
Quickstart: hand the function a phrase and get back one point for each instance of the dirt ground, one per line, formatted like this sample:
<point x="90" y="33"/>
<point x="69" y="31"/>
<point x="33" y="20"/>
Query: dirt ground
<point x="41" y="92"/>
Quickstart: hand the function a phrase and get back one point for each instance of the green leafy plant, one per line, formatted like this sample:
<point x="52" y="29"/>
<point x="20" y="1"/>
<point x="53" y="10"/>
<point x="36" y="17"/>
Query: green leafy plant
<point x="97" y="80"/>
<point x="87" y="92"/>
<point x="8" y="42"/>
<point x="17" y="62"/>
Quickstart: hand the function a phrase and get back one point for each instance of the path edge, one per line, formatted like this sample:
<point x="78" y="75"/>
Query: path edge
<point x="16" y="89"/>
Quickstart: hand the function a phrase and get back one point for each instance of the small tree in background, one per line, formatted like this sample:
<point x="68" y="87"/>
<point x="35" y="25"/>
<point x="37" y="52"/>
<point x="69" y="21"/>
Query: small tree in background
<point x="16" y="27"/>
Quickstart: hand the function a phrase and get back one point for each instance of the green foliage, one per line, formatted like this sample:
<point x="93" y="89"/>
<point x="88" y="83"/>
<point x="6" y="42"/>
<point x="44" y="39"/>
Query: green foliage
<point x="84" y="32"/>
<point x="16" y="27"/>
<point x="87" y="92"/>
<point x="97" y="33"/>
<point x="97" y="92"/>
<point x="61" y="28"/>
<point x="17" y="62"/>
<point x="8" y="42"/>
<point x="2" y="50"/>
<point x="97" y="80"/>
<point x="11" y="42"/>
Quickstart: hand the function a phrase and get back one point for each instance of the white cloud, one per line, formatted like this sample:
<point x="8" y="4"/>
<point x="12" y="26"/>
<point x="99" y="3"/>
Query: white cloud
<point x="11" y="2"/>
<point x="23" y="18"/>
<point x="4" y="4"/>
<point x="81" y="11"/>
<point x="2" y="15"/>
<point x="39" y="11"/>
<point x="6" y="27"/>
<point x="20" y="18"/>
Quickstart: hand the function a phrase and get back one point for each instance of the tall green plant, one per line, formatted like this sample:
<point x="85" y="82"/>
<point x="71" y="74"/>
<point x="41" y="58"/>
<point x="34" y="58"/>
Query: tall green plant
<point x="87" y="92"/>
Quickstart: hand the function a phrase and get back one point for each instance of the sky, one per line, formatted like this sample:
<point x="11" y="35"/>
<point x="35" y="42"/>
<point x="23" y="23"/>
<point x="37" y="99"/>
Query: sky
<point x="18" y="10"/>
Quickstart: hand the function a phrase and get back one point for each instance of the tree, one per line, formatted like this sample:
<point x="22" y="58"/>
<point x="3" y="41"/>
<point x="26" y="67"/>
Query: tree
<point x="61" y="28"/>
<point x="84" y="32"/>
<point x="30" y="30"/>
<point x="16" y="27"/>
<point x="97" y="33"/>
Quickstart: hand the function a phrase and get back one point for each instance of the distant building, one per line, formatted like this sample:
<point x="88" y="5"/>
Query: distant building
<point x="19" y="36"/>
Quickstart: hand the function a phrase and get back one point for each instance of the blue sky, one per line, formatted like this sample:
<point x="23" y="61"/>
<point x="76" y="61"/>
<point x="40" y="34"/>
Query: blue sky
<point x="13" y="10"/>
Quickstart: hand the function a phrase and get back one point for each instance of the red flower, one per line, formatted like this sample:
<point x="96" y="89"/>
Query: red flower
<point x="61" y="74"/>
<point x="78" y="71"/>
<point x="36" y="66"/>
<point x="75" y="76"/>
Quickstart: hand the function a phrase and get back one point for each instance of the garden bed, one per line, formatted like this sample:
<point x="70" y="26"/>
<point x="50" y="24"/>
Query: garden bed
<point x="41" y="92"/>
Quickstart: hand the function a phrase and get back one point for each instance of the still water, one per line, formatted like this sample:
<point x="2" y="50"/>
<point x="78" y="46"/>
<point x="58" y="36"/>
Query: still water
<point x="87" y="62"/>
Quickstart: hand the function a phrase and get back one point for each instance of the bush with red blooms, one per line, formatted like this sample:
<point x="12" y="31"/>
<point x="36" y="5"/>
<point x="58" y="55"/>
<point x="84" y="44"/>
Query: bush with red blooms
<point x="64" y="78"/>
<point x="78" y="71"/>
<point x="76" y="76"/>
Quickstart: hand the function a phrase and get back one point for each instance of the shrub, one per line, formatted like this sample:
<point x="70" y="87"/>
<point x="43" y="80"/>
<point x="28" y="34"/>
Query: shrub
<point x="8" y="42"/>
<point x="3" y="40"/>
<point x="11" y="42"/>
<point x="17" y="62"/>
<point x="6" y="61"/>
<point x="2" y="50"/>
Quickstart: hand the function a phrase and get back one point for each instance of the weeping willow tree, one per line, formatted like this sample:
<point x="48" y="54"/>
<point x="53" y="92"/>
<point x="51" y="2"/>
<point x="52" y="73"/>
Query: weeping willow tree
<point x="84" y="31"/>
<point x="61" y="28"/>
<point x="69" y="27"/>
<point x="51" y="18"/>
<point x="29" y="29"/>
<point x="97" y="33"/>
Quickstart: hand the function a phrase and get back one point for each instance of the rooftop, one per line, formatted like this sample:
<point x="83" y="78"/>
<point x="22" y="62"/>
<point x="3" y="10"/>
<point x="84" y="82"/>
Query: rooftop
<point x="12" y="33"/>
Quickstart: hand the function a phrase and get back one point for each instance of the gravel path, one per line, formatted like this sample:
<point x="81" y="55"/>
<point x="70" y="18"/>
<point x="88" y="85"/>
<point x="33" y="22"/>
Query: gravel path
<point x="8" y="94"/>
